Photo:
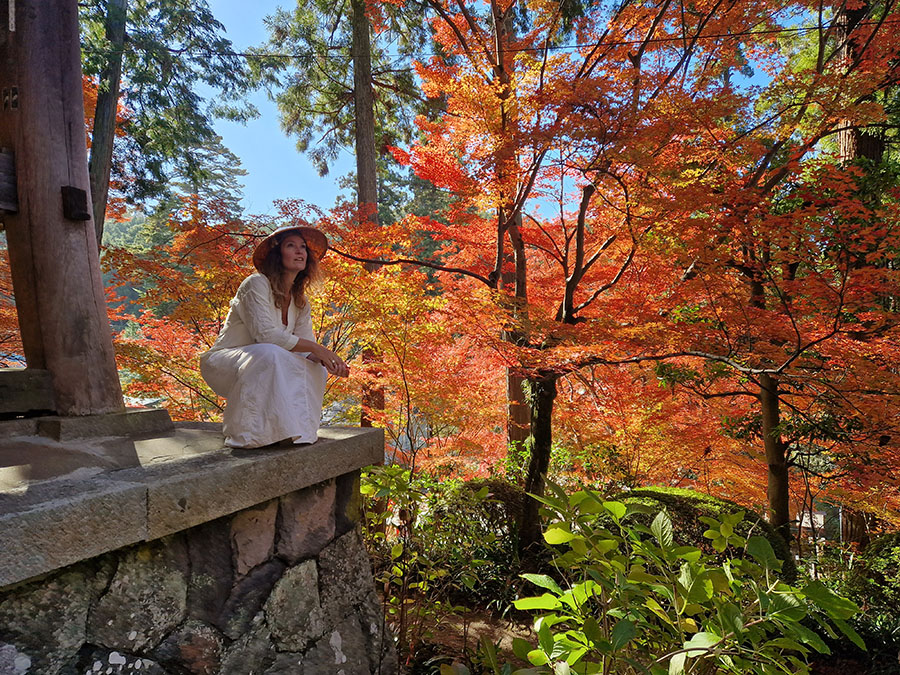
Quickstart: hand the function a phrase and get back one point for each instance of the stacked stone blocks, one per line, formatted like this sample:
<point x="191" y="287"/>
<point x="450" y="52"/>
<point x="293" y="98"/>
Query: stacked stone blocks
<point x="284" y="587"/>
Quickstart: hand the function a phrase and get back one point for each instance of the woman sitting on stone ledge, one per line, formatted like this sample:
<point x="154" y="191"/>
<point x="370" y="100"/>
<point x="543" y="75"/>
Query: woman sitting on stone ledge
<point x="266" y="362"/>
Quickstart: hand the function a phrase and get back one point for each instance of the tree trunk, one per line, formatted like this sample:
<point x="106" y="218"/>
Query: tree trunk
<point x="104" y="133"/>
<point x="366" y="177"/>
<point x="776" y="451"/>
<point x="518" y="415"/>
<point x="364" y="105"/>
<point x="542" y="395"/>
<point x="855" y="142"/>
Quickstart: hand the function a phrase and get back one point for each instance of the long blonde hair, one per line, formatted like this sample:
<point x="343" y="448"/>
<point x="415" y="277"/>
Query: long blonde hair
<point x="272" y="268"/>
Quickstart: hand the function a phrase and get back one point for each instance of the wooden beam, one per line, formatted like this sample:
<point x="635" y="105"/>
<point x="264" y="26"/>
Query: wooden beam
<point x="53" y="259"/>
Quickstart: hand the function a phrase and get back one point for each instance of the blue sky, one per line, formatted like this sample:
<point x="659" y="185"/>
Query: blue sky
<point x="275" y="169"/>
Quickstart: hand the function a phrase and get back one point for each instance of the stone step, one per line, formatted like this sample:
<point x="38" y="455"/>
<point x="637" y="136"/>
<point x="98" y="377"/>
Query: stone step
<point x="129" y="422"/>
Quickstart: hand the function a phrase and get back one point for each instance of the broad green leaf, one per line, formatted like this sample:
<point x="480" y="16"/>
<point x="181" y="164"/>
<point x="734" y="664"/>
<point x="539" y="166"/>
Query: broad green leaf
<point x="657" y="609"/>
<point x="537" y="658"/>
<point x="662" y="530"/>
<point x="727" y="529"/>
<point x="688" y="625"/>
<point x="616" y="509"/>
<point x="621" y="633"/>
<point x="638" y="508"/>
<point x="784" y="605"/>
<point x="521" y="647"/>
<point x="733" y="518"/>
<point x="847" y="630"/>
<point x="545" y="601"/>
<point x="545" y="638"/>
<point x="732" y="619"/>
<point x="711" y="534"/>
<point x="719" y="581"/>
<point x="701" y="588"/>
<point x="396" y="550"/>
<point x="762" y="552"/>
<point x="830" y="602"/>
<point x="590" y="506"/>
<point x="579" y="546"/>
<point x="689" y="553"/>
<point x="543" y="581"/>
<point x="581" y="592"/>
<point x="489" y="653"/>
<point x="592" y="629"/>
<point x="604" y="546"/>
<point x="557" y="535"/>
<point x="787" y="643"/>
<point x="702" y="641"/>
<point x="676" y="664"/>
<point x="638" y="574"/>
<point x="807" y="636"/>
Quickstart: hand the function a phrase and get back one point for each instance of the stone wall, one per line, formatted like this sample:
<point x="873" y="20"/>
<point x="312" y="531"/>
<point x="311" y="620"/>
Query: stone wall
<point x="282" y="587"/>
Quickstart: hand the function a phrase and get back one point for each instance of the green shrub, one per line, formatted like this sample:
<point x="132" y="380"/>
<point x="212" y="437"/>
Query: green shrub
<point x="875" y="579"/>
<point x="435" y="544"/>
<point x="687" y="508"/>
<point x="631" y="600"/>
<point x="872" y="579"/>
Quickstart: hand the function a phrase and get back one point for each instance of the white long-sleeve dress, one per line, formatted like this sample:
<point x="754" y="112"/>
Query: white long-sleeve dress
<point x="271" y="393"/>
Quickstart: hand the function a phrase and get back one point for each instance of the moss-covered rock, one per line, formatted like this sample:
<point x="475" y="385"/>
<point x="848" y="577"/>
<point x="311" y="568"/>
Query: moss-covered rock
<point x="685" y="507"/>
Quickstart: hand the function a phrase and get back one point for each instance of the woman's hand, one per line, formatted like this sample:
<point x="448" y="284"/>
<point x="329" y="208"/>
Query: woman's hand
<point x="333" y="363"/>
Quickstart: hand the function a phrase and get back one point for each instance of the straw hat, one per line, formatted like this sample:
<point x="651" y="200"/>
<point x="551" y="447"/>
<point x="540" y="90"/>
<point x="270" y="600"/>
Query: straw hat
<point x="316" y="242"/>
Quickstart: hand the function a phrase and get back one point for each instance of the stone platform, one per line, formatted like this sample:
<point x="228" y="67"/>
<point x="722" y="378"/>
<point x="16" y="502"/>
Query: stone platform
<point x="66" y="501"/>
<point x="169" y="553"/>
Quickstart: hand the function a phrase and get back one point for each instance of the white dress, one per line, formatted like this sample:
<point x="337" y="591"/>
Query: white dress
<point x="271" y="393"/>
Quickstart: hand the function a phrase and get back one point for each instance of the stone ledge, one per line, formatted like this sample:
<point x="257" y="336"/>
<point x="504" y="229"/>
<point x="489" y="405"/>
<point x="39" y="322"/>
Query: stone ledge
<point x="175" y="481"/>
<point x="129" y="422"/>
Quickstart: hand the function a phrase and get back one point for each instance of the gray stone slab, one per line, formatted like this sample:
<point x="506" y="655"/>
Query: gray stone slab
<point x="57" y="508"/>
<point x="237" y="479"/>
<point x="20" y="426"/>
<point x="133" y="421"/>
<point x="32" y="461"/>
<point x="146" y="599"/>
<point x="306" y="522"/>
<point x="99" y="516"/>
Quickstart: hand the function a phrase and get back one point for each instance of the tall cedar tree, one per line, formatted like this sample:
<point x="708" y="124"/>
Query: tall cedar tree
<point x="150" y="55"/>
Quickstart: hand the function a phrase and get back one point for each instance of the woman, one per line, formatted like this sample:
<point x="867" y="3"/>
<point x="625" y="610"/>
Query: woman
<point x="266" y="362"/>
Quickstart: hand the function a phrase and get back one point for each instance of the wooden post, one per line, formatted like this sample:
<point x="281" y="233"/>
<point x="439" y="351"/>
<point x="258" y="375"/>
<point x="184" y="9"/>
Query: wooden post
<point x="52" y="246"/>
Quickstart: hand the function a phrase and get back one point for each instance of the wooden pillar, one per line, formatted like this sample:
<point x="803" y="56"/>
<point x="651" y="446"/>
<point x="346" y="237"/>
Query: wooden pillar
<point x="55" y="267"/>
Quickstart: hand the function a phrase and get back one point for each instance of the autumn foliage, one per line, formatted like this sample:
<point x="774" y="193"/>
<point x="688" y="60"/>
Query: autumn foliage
<point x="651" y="221"/>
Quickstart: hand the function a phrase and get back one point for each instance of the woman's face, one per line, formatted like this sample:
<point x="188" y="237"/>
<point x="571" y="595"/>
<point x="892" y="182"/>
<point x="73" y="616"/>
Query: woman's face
<point x="293" y="253"/>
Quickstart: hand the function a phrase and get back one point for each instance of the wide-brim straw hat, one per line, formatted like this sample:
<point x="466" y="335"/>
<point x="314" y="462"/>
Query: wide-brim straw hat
<point x="316" y="242"/>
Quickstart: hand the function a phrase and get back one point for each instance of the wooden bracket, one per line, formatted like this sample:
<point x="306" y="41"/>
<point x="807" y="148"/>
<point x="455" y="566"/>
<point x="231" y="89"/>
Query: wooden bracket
<point x="9" y="200"/>
<point x="75" y="206"/>
<point x="11" y="98"/>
